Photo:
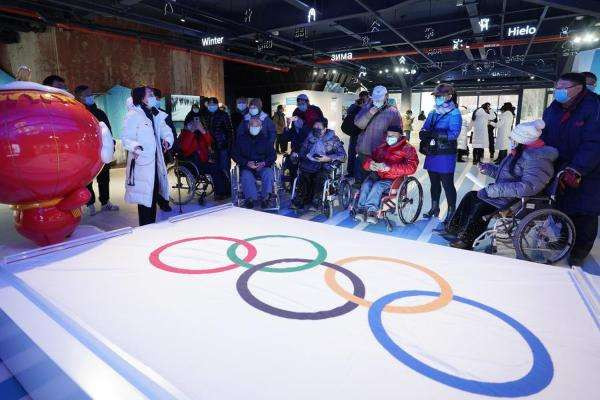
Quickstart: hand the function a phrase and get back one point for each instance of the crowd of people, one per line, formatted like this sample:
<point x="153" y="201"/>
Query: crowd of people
<point x="565" y="143"/>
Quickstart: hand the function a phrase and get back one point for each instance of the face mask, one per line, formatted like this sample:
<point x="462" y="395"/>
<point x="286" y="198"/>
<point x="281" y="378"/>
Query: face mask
<point x="378" y="104"/>
<point x="439" y="100"/>
<point x="152" y="102"/>
<point x="255" y="130"/>
<point x="391" y="140"/>
<point x="213" y="107"/>
<point x="303" y="107"/>
<point x="561" y="95"/>
<point x="88" y="100"/>
<point x="195" y="110"/>
<point x="241" y="106"/>
<point x="591" y="88"/>
<point x="253" y="111"/>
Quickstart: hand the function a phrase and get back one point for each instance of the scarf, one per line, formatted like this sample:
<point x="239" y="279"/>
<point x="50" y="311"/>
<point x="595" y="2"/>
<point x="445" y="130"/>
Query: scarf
<point x="445" y="108"/>
<point x="533" y="145"/>
<point x="570" y="106"/>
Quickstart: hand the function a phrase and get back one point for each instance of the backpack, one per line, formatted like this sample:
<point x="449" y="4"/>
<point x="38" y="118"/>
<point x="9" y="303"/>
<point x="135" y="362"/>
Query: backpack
<point x="348" y="126"/>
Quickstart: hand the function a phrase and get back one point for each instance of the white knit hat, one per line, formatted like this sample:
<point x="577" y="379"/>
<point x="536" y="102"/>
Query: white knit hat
<point x="527" y="132"/>
<point x="379" y="93"/>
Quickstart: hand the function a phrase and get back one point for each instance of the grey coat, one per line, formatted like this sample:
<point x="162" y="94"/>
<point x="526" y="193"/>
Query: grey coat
<point x="533" y="171"/>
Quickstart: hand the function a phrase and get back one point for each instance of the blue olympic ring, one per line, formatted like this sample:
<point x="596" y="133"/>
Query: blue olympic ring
<point x="537" y="378"/>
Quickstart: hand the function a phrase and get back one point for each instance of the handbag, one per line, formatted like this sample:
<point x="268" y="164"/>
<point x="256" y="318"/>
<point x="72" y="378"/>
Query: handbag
<point x="434" y="142"/>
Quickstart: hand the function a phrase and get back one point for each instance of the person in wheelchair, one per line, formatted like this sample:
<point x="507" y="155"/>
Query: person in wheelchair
<point x="255" y="155"/>
<point x="321" y="150"/>
<point x="394" y="159"/>
<point x="525" y="172"/>
<point x="197" y="145"/>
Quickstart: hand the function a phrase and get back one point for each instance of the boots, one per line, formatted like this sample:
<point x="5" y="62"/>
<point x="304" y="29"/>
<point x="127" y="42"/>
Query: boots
<point x="449" y="215"/>
<point x="434" y="212"/>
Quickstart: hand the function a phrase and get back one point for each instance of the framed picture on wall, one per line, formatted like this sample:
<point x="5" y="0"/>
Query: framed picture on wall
<point x="181" y="105"/>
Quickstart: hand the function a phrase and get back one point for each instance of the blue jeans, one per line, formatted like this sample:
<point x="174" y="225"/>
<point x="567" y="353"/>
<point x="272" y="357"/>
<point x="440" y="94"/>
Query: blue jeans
<point x="371" y="192"/>
<point x="248" y="180"/>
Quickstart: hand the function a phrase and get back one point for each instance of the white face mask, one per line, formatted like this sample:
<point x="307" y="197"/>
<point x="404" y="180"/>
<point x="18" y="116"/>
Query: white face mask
<point x="253" y="111"/>
<point x="88" y="100"/>
<point x="152" y="102"/>
<point x="255" y="130"/>
<point x="241" y="106"/>
<point x="391" y="140"/>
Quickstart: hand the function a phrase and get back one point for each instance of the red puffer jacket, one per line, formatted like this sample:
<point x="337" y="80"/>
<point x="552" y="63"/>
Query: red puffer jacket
<point x="401" y="158"/>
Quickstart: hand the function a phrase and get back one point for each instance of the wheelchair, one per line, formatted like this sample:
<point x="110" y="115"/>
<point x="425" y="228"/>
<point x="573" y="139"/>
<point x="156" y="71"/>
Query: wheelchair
<point x="403" y="200"/>
<point x="186" y="181"/>
<point x="237" y="194"/>
<point x="533" y="226"/>
<point x="335" y="188"/>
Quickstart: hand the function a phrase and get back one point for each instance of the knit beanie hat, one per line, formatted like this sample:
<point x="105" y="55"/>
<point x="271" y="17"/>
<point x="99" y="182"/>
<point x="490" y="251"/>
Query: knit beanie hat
<point x="527" y="132"/>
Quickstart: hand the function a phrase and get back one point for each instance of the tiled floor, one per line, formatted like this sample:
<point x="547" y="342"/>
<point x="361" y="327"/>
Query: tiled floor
<point x="422" y="230"/>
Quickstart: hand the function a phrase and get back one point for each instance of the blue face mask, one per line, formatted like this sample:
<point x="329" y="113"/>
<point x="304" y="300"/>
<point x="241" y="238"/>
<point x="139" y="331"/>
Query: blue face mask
<point x="439" y="100"/>
<point x="561" y="95"/>
<point x="591" y="88"/>
<point x="303" y="107"/>
<point x="213" y="108"/>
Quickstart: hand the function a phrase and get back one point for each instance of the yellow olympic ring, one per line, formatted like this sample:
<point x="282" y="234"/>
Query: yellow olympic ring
<point x="442" y="300"/>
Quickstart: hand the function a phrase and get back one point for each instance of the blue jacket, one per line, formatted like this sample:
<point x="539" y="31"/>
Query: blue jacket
<point x="253" y="148"/>
<point x="330" y="145"/>
<point x="451" y="124"/>
<point x="578" y="143"/>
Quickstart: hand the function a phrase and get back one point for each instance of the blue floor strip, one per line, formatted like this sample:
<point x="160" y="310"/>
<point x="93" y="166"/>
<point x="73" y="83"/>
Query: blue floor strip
<point x="11" y="389"/>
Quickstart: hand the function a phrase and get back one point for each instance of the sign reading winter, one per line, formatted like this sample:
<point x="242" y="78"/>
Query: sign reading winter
<point x="212" y="41"/>
<point x="341" y="56"/>
<point x="521" y="30"/>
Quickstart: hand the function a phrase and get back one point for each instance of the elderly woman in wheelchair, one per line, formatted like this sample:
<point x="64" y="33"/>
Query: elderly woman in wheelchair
<point x="393" y="160"/>
<point x="524" y="173"/>
<point x="321" y="152"/>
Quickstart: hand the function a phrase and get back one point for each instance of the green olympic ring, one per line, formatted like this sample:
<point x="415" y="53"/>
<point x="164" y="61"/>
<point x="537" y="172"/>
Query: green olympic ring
<point x="321" y="255"/>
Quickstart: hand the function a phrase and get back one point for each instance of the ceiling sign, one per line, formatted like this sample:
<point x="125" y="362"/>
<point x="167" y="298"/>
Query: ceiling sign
<point x="212" y="41"/>
<point x="312" y="15"/>
<point x="341" y="56"/>
<point x="521" y="30"/>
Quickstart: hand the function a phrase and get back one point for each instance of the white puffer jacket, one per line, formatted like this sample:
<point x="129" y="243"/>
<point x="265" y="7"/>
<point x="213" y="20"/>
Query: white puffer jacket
<point x="461" y="142"/>
<point x="504" y="127"/>
<point x="138" y="130"/>
<point x="480" y="128"/>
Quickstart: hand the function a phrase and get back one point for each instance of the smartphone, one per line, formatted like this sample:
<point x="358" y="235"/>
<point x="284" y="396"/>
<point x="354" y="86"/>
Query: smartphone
<point x="317" y="156"/>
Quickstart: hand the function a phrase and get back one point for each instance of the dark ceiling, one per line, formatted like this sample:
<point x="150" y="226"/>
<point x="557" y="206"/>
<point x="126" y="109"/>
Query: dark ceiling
<point x="385" y="37"/>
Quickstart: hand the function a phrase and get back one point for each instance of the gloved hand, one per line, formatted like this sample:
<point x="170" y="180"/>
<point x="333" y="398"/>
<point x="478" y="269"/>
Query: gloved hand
<point x="569" y="178"/>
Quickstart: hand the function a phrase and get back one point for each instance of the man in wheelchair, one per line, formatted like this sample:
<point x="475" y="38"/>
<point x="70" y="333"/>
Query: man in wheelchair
<point x="524" y="173"/>
<point x="320" y="152"/>
<point x="255" y="155"/>
<point x="394" y="159"/>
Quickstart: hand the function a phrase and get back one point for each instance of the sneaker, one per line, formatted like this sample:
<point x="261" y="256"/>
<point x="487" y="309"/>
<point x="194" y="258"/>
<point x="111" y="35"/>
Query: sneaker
<point x="372" y="217"/>
<point x="109" y="207"/>
<point x="91" y="210"/>
<point x="249" y="204"/>
<point x="360" y="216"/>
<point x="265" y="204"/>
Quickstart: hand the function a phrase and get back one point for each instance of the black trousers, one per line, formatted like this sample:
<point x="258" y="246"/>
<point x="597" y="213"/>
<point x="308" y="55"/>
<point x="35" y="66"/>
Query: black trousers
<point x="447" y="181"/>
<point x="147" y="215"/>
<point x="586" y="230"/>
<point x="351" y="155"/>
<point x="309" y="187"/>
<point x="467" y="222"/>
<point x="281" y="145"/>
<point x="491" y="141"/>
<point x="501" y="155"/>
<point x="477" y="154"/>
<point x="103" y="179"/>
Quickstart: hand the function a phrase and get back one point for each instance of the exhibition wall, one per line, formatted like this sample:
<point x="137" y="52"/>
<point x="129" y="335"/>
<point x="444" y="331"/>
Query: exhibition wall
<point x="588" y="61"/>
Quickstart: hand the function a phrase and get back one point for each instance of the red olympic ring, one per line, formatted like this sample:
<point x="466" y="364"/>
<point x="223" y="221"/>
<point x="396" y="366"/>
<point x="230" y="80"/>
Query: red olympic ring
<point x="155" y="256"/>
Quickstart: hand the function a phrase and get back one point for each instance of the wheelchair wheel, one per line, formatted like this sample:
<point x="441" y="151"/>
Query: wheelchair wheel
<point x="409" y="200"/>
<point x="345" y="194"/>
<point x="545" y="236"/>
<point x="204" y="187"/>
<point x="234" y="187"/>
<point x="181" y="184"/>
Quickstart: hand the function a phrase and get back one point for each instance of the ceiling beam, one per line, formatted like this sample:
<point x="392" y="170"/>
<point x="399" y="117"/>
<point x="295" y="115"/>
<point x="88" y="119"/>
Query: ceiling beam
<point x="378" y="16"/>
<point x="527" y="71"/>
<point x="589" y="7"/>
<point x="474" y="20"/>
<point x="434" y="75"/>
<point x="537" y="29"/>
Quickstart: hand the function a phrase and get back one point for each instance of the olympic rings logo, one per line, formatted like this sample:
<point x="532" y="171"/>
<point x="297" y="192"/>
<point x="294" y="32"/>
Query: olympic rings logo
<point x="539" y="376"/>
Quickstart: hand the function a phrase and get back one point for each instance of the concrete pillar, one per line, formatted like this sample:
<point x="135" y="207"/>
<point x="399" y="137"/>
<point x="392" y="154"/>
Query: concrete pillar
<point x="405" y="101"/>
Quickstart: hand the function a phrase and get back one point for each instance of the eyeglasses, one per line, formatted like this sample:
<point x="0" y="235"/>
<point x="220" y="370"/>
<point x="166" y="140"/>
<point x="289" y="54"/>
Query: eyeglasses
<point x="568" y="87"/>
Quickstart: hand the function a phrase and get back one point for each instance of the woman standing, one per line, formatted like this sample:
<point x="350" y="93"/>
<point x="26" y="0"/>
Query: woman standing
<point x="439" y="134"/>
<point x="145" y="136"/>
<point x="504" y="126"/>
<point x="480" y="121"/>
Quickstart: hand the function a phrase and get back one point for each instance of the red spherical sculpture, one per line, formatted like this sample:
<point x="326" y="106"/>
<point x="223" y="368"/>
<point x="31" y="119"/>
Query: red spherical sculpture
<point x="49" y="151"/>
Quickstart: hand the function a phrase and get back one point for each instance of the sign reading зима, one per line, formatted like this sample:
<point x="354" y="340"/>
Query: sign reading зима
<point x="341" y="56"/>
<point x="212" y="41"/>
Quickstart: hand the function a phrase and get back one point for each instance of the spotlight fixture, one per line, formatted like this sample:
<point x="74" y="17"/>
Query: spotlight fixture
<point x="380" y="72"/>
<point x="334" y="71"/>
<point x="315" y="72"/>
<point x="387" y="70"/>
<point x="579" y="17"/>
<point x="478" y="79"/>
<point x="532" y="77"/>
<point x="587" y="37"/>
<point x="182" y="19"/>
<point x="437" y="81"/>
<point x="397" y="69"/>
<point x="422" y="83"/>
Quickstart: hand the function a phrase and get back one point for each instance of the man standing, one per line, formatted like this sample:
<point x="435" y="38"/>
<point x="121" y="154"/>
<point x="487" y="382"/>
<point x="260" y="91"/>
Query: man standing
<point x="241" y="109"/>
<point x="407" y="121"/>
<point x="590" y="81"/>
<point x="218" y="124"/>
<point x="83" y="93"/>
<point x="375" y="117"/>
<point x="350" y="129"/>
<point x="280" y="129"/>
<point x="573" y="128"/>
